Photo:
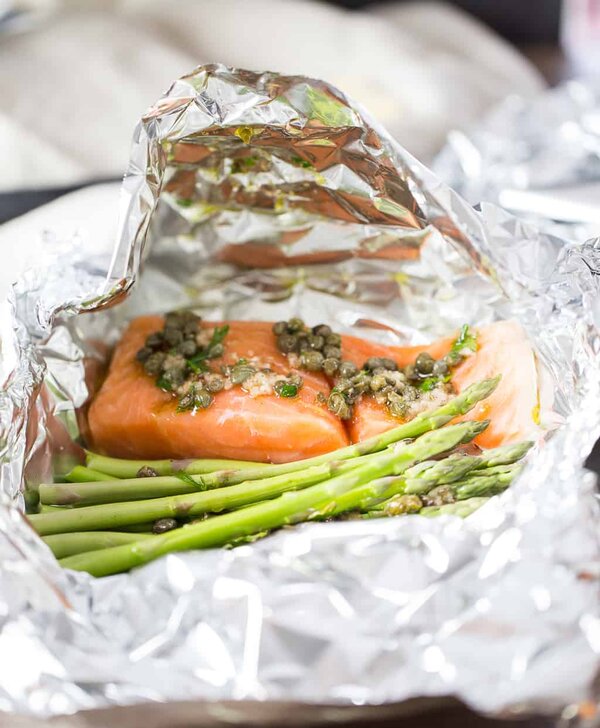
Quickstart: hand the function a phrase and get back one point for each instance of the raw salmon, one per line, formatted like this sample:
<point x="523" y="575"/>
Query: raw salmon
<point x="503" y="349"/>
<point x="131" y="417"/>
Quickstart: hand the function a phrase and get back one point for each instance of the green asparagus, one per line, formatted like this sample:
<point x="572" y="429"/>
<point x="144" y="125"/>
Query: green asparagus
<point x="462" y="509"/>
<point x="68" y="544"/>
<point x="291" y="507"/>
<point x="81" y="474"/>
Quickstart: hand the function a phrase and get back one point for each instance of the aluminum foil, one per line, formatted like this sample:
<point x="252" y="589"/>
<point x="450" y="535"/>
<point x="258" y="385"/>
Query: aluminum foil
<point x="262" y="196"/>
<point x="538" y="158"/>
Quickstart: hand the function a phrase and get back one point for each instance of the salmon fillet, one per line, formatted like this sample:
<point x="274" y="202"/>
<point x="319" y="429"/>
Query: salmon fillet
<point x="132" y="418"/>
<point x="503" y="348"/>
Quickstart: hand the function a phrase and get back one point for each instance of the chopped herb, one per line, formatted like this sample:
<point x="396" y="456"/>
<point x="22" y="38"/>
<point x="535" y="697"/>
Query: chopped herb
<point x="465" y="340"/>
<point x="430" y="383"/>
<point x="197" y="363"/>
<point x="186" y="478"/>
<point x="285" y="389"/>
<point x="164" y="383"/>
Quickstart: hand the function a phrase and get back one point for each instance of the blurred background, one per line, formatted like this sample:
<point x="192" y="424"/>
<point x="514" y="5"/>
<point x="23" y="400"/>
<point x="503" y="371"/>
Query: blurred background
<point x="75" y="76"/>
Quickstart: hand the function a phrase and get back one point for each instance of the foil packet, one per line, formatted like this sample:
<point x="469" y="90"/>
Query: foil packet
<point x="262" y="196"/>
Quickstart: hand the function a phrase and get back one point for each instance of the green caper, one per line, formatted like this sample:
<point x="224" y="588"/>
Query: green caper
<point x="154" y="362"/>
<point x="188" y="400"/>
<point x="396" y="404"/>
<point x="190" y="328"/>
<point x="321" y="330"/>
<point x="361" y="381"/>
<point x="330" y="366"/>
<point x="215" y="351"/>
<point x="162" y="525"/>
<point x="378" y="382"/>
<point x="295" y="324"/>
<point x="173" y="337"/>
<point x="203" y="399"/>
<point x="316" y="342"/>
<point x="337" y="404"/>
<point x="348" y="369"/>
<point x="424" y="363"/>
<point x="143" y="353"/>
<point x="333" y="340"/>
<point x="187" y="348"/>
<point x="174" y="377"/>
<point x="332" y="352"/>
<point x="439" y="496"/>
<point x="240" y="372"/>
<point x="411" y="373"/>
<point x="155" y="340"/>
<point x="214" y="382"/>
<point x="440" y="368"/>
<point x="280" y="328"/>
<point x="380" y="362"/>
<point x="296" y="380"/>
<point x="175" y="319"/>
<point x="312" y="360"/>
<point x="146" y="472"/>
<point x="287" y="343"/>
<point x="402" y="504"/>
<point x="302" y="343"/>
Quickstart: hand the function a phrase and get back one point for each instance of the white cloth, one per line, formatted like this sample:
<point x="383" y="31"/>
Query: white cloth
<point x="74" y="84"/>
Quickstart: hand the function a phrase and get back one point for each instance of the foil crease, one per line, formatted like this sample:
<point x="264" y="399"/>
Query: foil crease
<point x="262" y="196"/>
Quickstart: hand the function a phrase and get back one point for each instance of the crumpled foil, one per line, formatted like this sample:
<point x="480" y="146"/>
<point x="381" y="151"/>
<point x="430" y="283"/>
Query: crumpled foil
<point x="538" y="158"/>
<point x="262" y="196"/>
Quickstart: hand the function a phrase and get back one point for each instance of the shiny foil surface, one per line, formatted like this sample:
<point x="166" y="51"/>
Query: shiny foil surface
<point x="261" y="197"/>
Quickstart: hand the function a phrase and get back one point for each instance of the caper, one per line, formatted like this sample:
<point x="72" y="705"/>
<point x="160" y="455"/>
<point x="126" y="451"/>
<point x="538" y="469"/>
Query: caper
<point x="215" y="351"/>
<point x="321" y="330"/>
<point x="330" y="366"/>
<point x="287" y="343"/>
<point x="440" y="368"/>
<point x="316" y="342"/>
<point x="424" y="363"/>
<point x="295" y="324"/>
<point x="155" y="340"/>
<point x="187" y="348"/>
<point x="333" y="340"/>
<point x="343" y="384"/>
<point x="396" y="404"/>
<point x="361" y="382"/>
<point x="214" y="382"/>
<point x="439" y="496"/>
<point x="174" y="376"/>
<point x="154" y="362"/>
<point x="381" y="362"/>
<point x="146" y="472"/>
<point x="190" y="328"/>
<point x="347" y="369"/>
<point x="296" y="380"/>
<point x="332" y="352"/>
<point x="240" y="372"/>
<point x="402" y="504"/>
<point x="338" y="405"/>
<point x="411" y="373"/>
<point x="188" y="400"/>
<point x="302" y="343"/>
<point x="143" y="353"/>
<point x="174" y="319"/>
<point x="203" y="399"/>
<point x="378" y="382"/>
<point x="173" y="337"/>
<point x="162" y="525"/>
<point x="312" y="360"/>
<point x="280" y="328"/>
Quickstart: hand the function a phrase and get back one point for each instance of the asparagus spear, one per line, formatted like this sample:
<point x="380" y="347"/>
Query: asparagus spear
<point x="68" y="544"/>
<point x="155" y="487"/>
<point x="117" y="515"/>
<point x="462" y="509"/>
<point x="485" y="485"/>
<point x="121" y="468"/>
<point x="81" y="474"/>
<point x="290" y="507"/>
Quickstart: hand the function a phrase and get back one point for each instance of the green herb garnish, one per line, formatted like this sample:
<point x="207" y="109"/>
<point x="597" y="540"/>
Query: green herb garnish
<point x="286" y="389"/>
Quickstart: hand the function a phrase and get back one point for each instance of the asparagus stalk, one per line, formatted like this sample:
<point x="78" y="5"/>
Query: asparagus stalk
<point x="369" y="494"/>
<point x="291" y="507"/>
<point x="462" y="509"/>
<point x="121" y="468"/>
<point x="485" y="485"/>
<point x="68" y="544"/>
<point x="117" y="515"/>
<point x="81" y="474"/>
<point x="155" y="487"/>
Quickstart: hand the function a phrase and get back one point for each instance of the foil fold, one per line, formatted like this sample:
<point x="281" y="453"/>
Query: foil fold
<point x="261" y="196"/>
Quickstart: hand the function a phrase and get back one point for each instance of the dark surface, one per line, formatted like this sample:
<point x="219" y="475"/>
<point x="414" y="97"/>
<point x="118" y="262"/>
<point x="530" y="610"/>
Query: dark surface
<point x="520" y="21"/>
